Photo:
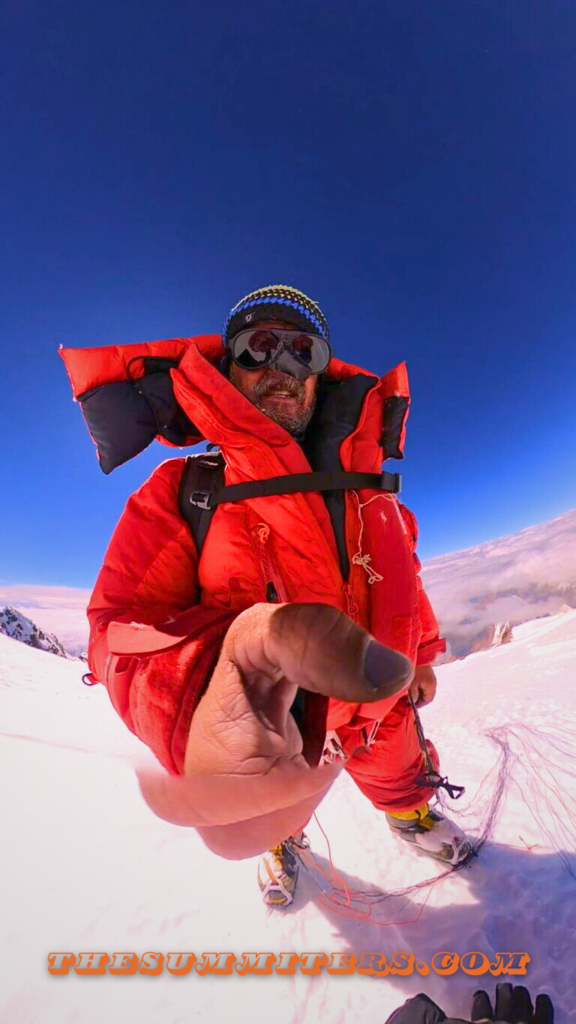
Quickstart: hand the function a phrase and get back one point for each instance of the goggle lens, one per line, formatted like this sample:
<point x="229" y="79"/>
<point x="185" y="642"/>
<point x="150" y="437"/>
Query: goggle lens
<point x="253" y="350"/>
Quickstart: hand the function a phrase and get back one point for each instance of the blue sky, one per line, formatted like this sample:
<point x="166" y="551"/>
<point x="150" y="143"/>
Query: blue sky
<point x="410" y="165"/>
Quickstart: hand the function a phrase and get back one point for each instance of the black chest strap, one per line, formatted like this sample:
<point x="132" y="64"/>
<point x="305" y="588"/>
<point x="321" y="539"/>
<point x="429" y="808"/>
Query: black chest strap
<point x="334" y="480"/>
<point x="202" y="488"/>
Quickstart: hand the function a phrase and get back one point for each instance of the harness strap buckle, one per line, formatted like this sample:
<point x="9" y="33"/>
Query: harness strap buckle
<point x="202" y="499"/>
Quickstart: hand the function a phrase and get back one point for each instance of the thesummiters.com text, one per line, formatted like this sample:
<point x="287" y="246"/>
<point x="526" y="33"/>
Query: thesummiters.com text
<point x="402" y="964"/>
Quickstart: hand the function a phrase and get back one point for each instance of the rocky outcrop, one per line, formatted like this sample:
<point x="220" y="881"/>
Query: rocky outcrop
<point x="17" y="626"/>
<point x="493" y="635"/>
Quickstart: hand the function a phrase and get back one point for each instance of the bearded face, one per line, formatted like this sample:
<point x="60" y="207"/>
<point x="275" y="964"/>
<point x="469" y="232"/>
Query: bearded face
<point x="287" y="401"/>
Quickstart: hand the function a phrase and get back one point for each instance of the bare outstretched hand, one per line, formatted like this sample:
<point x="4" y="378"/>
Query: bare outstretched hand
<point x="246" y="782"/>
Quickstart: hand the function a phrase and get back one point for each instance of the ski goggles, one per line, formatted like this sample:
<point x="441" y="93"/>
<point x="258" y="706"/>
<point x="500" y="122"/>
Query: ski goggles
<point x="295" y="352"/>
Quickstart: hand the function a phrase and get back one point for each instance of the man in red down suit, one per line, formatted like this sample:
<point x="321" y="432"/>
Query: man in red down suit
<point x="307" y="601"/>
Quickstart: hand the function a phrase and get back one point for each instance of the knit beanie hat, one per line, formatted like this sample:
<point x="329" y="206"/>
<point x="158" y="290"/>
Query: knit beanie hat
<point x="278" y="302"/>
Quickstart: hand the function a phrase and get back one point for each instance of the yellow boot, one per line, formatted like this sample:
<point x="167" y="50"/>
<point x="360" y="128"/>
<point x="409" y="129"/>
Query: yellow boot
<point x="432" y="833"/>
<point x="278" y="871"/>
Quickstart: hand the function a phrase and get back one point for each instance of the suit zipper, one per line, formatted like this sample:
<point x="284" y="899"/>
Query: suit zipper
<point x="276" y="592"/>
<point x="275" y="589"/>
<point x="352" y="609"/>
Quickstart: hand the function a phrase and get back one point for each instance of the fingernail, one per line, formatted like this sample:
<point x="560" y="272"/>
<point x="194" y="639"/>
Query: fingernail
<point x="385" y="669"/>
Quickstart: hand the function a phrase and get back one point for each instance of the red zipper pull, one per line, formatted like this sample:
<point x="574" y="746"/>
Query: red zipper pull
<point x="262" y="532"/>
<point x="275" y="589"/>
<point x="352" y="609"/>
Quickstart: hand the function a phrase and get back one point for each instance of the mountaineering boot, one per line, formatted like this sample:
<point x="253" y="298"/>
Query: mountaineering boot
<point x="431" y="832"/>
<point x="278" y="871"/>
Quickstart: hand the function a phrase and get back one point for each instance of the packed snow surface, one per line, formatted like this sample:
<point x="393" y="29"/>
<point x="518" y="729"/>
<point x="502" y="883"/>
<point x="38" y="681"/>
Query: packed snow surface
<point x="86" y="866"/>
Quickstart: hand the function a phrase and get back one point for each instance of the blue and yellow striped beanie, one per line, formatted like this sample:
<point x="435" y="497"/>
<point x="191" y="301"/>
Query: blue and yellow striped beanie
<point x="279" y="302"/>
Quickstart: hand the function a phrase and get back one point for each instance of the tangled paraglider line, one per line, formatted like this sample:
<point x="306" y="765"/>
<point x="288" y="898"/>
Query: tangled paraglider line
<point x="541" y="766"/>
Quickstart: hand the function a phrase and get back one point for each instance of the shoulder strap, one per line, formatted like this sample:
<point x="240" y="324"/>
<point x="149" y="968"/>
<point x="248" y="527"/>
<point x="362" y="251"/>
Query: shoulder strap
<point x="202" y="474"/>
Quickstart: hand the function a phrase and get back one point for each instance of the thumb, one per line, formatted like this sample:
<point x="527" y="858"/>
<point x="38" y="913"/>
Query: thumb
<point x="318" y="648"/>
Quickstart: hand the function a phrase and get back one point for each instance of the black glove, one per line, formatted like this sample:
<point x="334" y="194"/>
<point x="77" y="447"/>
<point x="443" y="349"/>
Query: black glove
<point x="513" y="1006"/>
<point x="421" y="1010"/>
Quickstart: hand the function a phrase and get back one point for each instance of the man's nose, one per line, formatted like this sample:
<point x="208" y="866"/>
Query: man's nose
<point x="278" y="374"/>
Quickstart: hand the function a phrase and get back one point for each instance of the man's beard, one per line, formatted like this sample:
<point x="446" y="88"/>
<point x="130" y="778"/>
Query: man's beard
<point x="295" y="422"/>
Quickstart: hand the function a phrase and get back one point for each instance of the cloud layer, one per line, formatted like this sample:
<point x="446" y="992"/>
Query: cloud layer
<point x="517" y="578"/>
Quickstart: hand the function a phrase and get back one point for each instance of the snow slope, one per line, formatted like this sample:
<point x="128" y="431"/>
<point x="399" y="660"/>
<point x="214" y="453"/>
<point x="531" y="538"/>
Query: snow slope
<point x="85" y="866"/>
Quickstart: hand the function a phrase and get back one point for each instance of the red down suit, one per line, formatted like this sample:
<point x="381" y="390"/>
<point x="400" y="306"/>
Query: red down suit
<point x="158" y="613"/>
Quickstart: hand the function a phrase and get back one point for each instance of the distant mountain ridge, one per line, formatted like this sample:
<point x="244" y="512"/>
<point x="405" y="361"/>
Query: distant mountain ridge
<point x="481" y="593"/>
<point x="17" y="626"/>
